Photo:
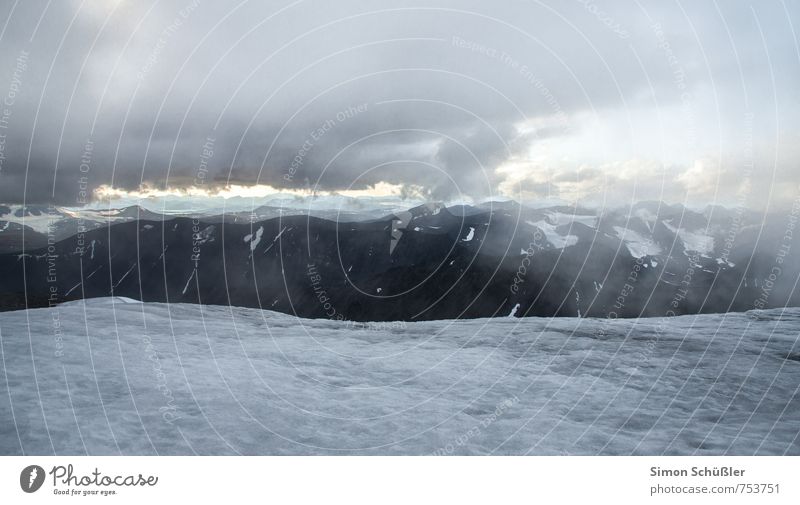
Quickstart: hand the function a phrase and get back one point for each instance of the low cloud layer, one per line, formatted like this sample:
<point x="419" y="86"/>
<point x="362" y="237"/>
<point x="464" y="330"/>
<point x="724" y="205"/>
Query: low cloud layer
<point x="587" y="102"/>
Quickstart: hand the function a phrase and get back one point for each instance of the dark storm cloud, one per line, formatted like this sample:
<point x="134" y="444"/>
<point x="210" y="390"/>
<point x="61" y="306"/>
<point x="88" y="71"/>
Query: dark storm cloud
<point x="428" y="93"/>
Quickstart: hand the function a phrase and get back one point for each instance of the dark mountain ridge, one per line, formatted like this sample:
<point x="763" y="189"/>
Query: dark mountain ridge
<point x="425" y="263"/>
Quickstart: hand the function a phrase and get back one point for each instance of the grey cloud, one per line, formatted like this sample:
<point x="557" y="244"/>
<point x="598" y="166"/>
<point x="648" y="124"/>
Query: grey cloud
<point x="159" y="78"/>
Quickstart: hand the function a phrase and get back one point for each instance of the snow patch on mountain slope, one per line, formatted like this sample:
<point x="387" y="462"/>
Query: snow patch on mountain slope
<point x="254" y="240"/>
<point x="470" y="235"/>
<point x="555" y="239"/>
<point x="189" y="280"/>
<point x="183" y="379"/>
<point x="638" y="245"/>
<point x="721" y="262"/>
<point x="279" y="234"/>
<point x="562" y="218"/>
<point x="42" y="219"/>
<point x="41" y="223"/>
<point x="204" y="235"/>
<point x="693" y="241"/>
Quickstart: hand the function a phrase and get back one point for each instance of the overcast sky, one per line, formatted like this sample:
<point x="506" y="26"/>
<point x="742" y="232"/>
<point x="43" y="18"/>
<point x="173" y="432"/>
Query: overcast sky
<point x="597" y="103"/>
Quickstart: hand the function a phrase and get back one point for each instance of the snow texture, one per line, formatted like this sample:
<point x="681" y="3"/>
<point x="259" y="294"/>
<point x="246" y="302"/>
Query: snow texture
<point x="151" y="378"/>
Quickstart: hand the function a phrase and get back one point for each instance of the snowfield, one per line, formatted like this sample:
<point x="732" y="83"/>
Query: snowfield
<point x="111" y="376"/>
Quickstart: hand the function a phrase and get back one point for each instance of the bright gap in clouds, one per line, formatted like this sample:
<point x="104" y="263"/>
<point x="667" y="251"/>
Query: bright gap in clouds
<point x="238" y="197"/>
<point x="109" y="193"/>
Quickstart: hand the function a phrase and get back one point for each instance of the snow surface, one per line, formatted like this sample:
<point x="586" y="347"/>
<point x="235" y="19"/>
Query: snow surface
<point x="151" y="378"/>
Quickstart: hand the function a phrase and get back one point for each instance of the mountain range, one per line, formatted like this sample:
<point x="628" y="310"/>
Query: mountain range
<point x="427" y="262"/>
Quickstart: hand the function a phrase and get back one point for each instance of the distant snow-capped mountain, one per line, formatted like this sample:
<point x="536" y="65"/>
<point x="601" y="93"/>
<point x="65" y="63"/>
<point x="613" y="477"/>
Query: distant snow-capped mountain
<point x="30" y="227"/>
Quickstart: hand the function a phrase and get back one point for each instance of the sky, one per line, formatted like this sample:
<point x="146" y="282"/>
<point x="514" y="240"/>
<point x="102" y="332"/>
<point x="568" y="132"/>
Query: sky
<point x="585" y="102"/>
